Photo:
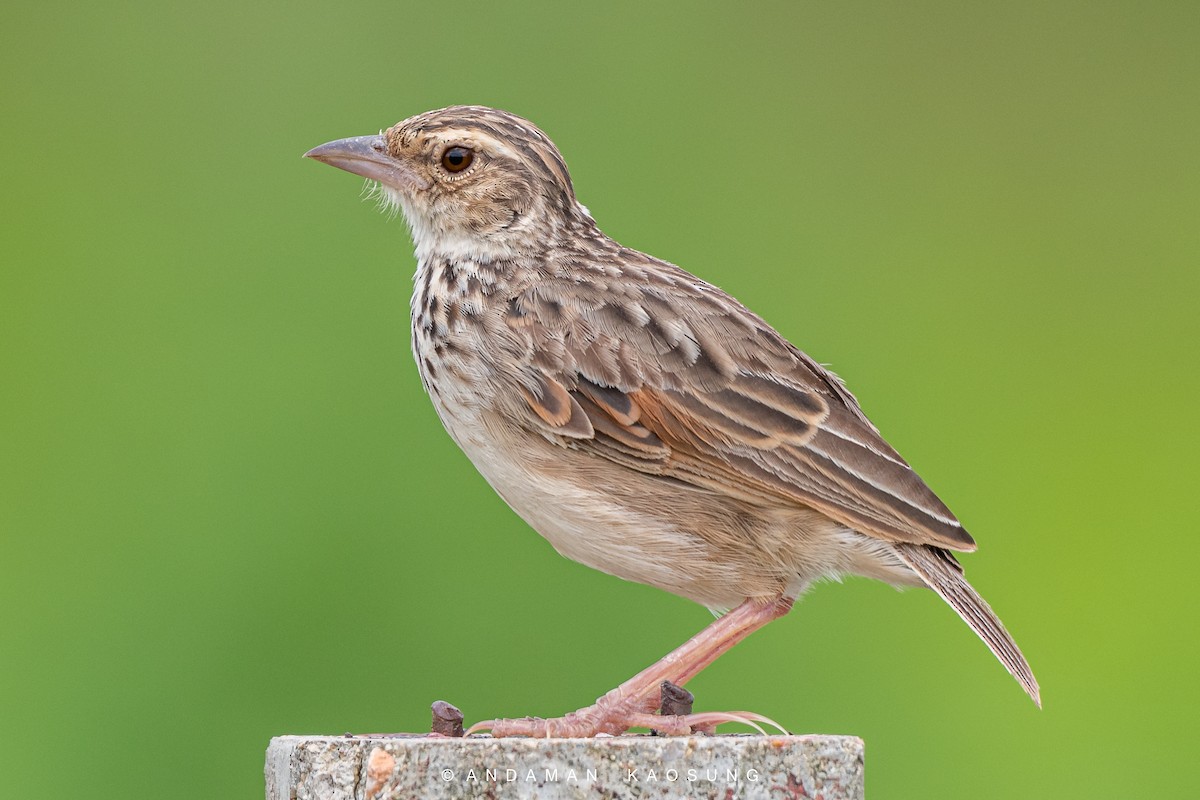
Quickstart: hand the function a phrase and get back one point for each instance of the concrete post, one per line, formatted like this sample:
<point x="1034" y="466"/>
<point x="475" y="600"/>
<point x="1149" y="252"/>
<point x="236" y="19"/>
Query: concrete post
<point x="440" y="768"/>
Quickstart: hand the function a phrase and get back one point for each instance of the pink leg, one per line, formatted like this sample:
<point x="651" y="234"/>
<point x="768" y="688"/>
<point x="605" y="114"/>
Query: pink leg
<point x="632" y="704"/>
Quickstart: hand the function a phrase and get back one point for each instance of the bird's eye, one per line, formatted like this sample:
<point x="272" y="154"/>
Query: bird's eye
<point x="456" y="159"/>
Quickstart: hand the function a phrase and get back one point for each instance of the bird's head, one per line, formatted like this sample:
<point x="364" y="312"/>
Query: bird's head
<point x="472" y="182"/>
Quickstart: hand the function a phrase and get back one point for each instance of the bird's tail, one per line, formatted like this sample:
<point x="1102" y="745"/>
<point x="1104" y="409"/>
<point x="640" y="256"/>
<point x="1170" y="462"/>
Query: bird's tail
<point x="944" y="575"/>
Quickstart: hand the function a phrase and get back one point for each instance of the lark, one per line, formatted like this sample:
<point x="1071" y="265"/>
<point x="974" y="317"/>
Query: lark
<point x="643" y="421"/>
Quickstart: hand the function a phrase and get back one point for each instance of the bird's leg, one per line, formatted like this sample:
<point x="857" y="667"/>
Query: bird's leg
<point x="633" y="703"/>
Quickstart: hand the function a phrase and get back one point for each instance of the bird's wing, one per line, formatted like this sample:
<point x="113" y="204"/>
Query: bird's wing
<point x="671" y="376"/>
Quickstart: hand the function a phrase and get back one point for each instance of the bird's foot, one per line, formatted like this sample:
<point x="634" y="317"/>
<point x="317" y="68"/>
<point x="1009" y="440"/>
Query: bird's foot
<point x="616" y="715"/>
<point x="581" y="726"/>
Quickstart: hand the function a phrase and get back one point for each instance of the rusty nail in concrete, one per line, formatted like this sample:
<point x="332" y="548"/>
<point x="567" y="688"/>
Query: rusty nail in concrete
<point x="447" y="720"/>
<point x="676" y="701"/>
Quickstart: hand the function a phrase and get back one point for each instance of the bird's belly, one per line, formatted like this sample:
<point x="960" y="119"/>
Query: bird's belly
<point x="600" y="529"/>
<point x="707" y="547"/>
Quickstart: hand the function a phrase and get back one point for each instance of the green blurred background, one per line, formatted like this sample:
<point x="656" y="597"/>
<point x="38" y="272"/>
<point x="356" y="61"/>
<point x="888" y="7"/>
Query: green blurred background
<point x="227" y="511"/>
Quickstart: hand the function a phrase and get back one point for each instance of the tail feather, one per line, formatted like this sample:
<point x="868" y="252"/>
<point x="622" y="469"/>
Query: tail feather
<point x="944" y="575"/>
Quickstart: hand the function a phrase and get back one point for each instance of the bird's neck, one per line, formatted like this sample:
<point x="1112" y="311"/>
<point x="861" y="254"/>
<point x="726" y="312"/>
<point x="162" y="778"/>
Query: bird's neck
<point x="531" y="238"/>
<point x="434" y="245"/>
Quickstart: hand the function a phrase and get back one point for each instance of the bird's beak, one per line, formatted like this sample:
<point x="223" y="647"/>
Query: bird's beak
<point x="368" y="156"/>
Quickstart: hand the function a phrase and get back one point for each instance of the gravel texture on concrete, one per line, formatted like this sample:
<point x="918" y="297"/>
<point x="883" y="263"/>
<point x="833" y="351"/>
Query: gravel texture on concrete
<point x="734" y="766"/>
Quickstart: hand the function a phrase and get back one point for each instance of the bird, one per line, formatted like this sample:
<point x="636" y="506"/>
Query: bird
<point x="643" y="421"/>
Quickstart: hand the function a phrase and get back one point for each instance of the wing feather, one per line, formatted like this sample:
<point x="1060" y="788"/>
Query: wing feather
<point x="690" y="384"/>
